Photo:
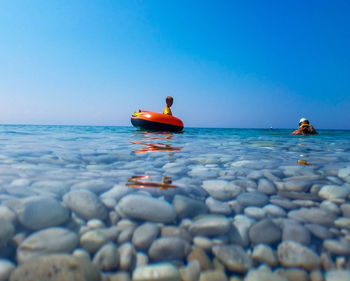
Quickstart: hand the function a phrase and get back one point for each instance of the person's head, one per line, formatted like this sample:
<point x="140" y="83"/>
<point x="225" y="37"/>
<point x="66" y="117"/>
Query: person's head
<point x="304" y="124"/>
<point x="169" y="101"/>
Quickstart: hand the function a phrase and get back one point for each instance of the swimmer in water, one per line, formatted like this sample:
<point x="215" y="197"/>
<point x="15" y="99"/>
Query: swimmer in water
<point x="305" y="128"/>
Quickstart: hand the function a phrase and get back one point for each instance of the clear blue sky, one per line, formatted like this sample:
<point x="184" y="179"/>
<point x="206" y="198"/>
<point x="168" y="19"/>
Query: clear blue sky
<point x="226" y="63"/>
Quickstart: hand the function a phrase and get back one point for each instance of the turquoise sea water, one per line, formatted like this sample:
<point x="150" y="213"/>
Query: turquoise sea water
<point x="53" y="160"/>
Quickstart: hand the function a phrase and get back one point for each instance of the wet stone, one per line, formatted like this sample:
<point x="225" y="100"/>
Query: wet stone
<point x="146" y="208"/>
<point x="233" y="257"/>
<point x="334" y="192"/>
<point x="345" y="208"/>
<point x="242" y="224"/>
<point x="274" y="211"/>
<point x="86" y="204"/>
<point x="96" y="186"/>
<point x="41" y="211"/>
<point x="45" y="269"/>
<point x="210" y="225"/>
<point x="264" y="254"/>
<point x="255" y="213"/>
<point x="156" y="272"/>
<point x="319" y="231"/>
<point x="284" y="203"/>
<point x="264" y="274"/>
<point x="186" y="207"/>
<point x="253" y="199"/>
<point x="218" y="207"/>
<point x="174" y="231"/>
<point x="168" y="248"/>
<point x="107" y="258"/>
<point x="344" y="173"/>
<point x="330" y="207"/>
<point x="199" y="255"/>
<point x="266" y="186"/>
<point x="337" y="275"/>
<point x="266" y="232"/>
<point x="221" y="190"/>
<point x="6" y="268"/>
<point x="144" y="235"/>
<point x="293" y="254"/>
<point x="47" y="241"/>
<point x="7" y="231"/>
<point x="213" y="275"/>
<point x="312" y="215"/>
<point x="127" y="256"/>
<point x="7" y="214"/>
<point x="296" y="232"/>
<point x="337" y="247"/>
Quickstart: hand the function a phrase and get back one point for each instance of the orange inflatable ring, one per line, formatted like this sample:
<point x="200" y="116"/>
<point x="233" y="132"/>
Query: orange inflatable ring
<point x="156" y="121"/>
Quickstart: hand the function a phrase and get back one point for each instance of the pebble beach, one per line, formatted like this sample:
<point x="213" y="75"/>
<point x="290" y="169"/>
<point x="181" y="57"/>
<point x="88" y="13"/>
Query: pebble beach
<point x="90" y="203"/>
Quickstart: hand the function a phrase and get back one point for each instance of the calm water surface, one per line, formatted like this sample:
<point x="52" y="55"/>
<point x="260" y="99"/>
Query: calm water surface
<point x="53" y="160"/>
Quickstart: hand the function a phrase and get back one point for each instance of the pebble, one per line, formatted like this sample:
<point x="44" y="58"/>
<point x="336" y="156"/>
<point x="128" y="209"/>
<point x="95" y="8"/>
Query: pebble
<point x="95" y="186"/>
<point x="334" y="192"/>
<point x="197" y="254"/>
<point x="202" y="242"/>
<point x="242" y="224"/>
<point x="233" y="257"/>
<point x="186" y="207"/>
<point x="293" y="254"/>
<point x="337" y="275"/>
<point x="295" y="185"/>
<point x="319" y="231"/>
<point x="45" y="269"/>
<point x="274" y="211"/>
<point x="284" y="203"/>
<point x="86" y="204"/>
<point x="7" y="231"/>
<point x="344" y="173"/>
<point x="264" y="274"/>
<point x="255" y="213"/>
<point x="168" y="248"/>
<point x="7" y="214"/>
<point x="6" y="268"/>
<point x="141" y="259"/>
<point x="313" y="215"/>
<point x="107" y="258"/>
<point x="116" y="192"/>
<point x="47" y="241"/>
<point x="156" y="272"/>
<point x="93" y="240"/>
<point x="213" y="275"/>
<point x="146" y="208"/>
<point x="127" y="256"/>
<point x="266" y="186"/>
<point x="345" y="208"/>
<point x="218" y="207"/>
<point x="337" y="247"/>
<point x="294" y="274"/>
<point x="221" y="190"/>
<point x="191" y="272"/>
<point x="38" y="212"/>
<point x="144" y="235"/>
<point x="296" y="232"/>
<point x="252" y="199"/>
<point x="210" y="225"/>
<point x="342" y="223"/>
<point x="174" y="231"/>
<point x="265" y="231"/>
<point x="264" y="254"/>
<point x="330" y="207"/>
<point x="95" y="224"/>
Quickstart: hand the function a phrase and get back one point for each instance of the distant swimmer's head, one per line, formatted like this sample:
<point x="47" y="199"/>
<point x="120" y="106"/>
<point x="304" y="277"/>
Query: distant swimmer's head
<point x="303" y="121"/>
<point x="169" y="101"/>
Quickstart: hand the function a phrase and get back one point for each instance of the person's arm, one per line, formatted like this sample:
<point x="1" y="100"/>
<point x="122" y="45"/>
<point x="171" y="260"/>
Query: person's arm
<point x="296" y="132"/>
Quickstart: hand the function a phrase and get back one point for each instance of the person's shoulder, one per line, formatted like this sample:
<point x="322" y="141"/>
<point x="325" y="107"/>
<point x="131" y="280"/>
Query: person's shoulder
<point x="296" y="132"/>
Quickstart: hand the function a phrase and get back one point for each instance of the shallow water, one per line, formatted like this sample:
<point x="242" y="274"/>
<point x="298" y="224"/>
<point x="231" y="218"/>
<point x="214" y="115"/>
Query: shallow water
<point x="53" y="160"/>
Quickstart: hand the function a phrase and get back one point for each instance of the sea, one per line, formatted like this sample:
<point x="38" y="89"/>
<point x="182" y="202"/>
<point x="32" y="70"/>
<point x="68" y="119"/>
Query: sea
<point x="204" y="203"/>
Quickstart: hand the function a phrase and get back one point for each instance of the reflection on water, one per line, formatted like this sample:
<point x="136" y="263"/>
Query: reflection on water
<point x="136" y="182"/>
<point x="149" y="146"/>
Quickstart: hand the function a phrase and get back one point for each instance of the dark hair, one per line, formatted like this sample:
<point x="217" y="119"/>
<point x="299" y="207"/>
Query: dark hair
<point x="169" y="98"/>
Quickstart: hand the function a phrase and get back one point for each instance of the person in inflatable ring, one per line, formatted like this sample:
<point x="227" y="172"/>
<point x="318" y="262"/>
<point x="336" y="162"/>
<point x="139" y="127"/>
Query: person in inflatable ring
<point x="169" y="102"/>
<point x="305" y="128"/>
